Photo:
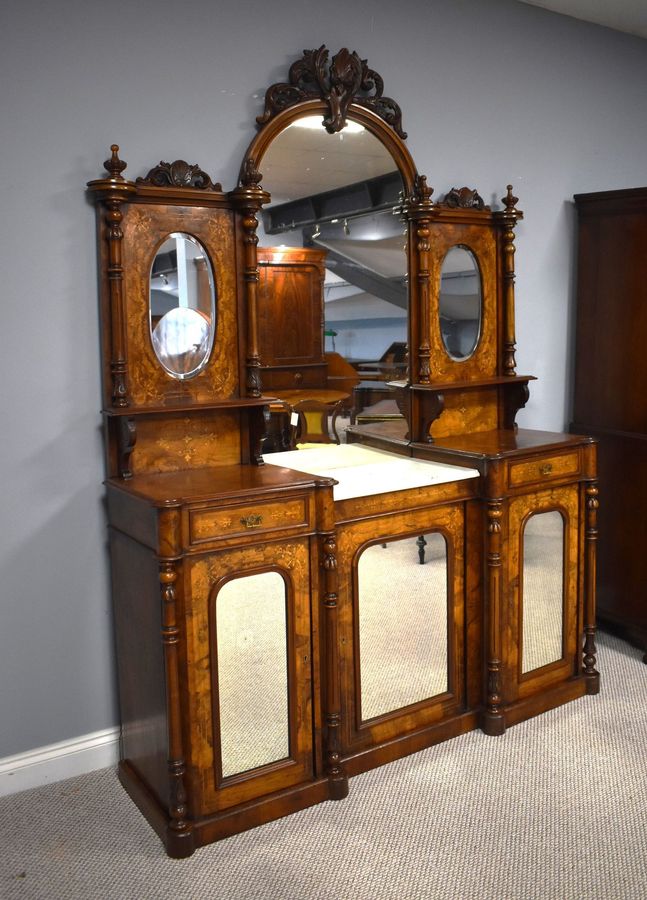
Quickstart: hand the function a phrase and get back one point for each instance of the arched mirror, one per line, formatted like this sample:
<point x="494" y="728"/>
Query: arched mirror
<point x="542" y="590"/>
<point x="252" y="676"/>
<point x="402" y="605"/>
<point x="182" y="304"/>
<point x="334" y="195"/>
<point x="460" y="303"/>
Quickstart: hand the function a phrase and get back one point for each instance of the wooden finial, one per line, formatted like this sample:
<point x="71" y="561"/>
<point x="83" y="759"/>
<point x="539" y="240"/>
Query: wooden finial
<point x="509" y="201"/>
<point x="115" y="166"/>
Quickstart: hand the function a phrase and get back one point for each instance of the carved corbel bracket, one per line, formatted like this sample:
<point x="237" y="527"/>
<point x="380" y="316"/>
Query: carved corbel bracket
<point x="346" y="79"/>
<point x="126" y="440"/>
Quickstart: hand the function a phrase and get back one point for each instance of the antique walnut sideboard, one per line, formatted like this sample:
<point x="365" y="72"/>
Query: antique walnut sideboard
<point x="276" y="630"/>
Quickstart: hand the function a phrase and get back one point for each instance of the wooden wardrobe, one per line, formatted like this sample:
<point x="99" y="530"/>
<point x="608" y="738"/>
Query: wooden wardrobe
<point x="610" y="398"/>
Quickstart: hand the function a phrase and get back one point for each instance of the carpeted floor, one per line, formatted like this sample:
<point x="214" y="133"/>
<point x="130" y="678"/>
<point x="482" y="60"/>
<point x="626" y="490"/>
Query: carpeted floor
<point x="555" y="809"/>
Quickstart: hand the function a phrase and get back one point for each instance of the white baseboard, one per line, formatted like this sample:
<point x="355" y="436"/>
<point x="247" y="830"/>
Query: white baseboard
<point x="55" y="762"/>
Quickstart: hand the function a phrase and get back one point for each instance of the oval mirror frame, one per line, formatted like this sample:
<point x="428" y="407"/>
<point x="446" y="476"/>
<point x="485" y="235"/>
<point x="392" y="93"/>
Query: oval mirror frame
<point x="182" y="305"/>
<point x="460" y="303"/>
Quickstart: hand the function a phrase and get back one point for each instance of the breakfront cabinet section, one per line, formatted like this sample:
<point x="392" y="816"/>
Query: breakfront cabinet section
<point x="609" y="396"/>
<point x="284" y="624"/>
<point x="217" y="608"/>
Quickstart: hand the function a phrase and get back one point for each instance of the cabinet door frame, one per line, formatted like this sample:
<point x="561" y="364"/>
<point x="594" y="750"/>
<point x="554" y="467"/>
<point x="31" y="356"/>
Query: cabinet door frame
<point x="207" y="575"/>
<point x="353" y="538"/>
<point x="565" y="500"/>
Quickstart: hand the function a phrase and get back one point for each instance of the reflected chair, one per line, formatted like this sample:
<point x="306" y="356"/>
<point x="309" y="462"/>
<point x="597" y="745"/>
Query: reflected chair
<point x="315" y="423"/>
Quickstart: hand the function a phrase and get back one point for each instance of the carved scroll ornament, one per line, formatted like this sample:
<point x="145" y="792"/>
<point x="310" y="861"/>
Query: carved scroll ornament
<point x="345" y="80"/>
<point x="179" y="174"/>
<point x="464" y="198"/>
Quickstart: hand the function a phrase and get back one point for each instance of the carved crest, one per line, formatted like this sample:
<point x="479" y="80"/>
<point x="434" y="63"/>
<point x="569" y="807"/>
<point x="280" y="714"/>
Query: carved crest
<point x="179" y="174"/>
<point x="345" y="80"/>
<point x="464" y="198"/>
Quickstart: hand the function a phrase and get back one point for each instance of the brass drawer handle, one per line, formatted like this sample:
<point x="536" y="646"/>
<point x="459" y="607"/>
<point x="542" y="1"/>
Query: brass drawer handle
<point x="254" y="521"/>
<point x="546" y="469"/>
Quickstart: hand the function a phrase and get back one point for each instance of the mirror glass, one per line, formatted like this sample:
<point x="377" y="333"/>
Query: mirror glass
<point x="460" y="303"/>
<point x="182" y="305"/>
<point x="403" y="627"/>
<point x="542" y="590"/>
<point x="251" y="638"/>
<point x="337" y="193"/>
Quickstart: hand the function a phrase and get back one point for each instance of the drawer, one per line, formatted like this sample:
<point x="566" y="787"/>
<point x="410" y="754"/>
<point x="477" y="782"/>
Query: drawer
<point x="219" y="523"/>
<point x="544" y="469"/>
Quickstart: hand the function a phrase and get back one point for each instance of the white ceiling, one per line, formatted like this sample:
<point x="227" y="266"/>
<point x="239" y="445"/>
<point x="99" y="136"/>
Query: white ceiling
<point x="623" y="15"/>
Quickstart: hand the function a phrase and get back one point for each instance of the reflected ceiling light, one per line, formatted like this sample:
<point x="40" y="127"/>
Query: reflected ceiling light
<point x="316" y="233"/>
<point x="346" y="227"/>
<point x="315" y="123"/>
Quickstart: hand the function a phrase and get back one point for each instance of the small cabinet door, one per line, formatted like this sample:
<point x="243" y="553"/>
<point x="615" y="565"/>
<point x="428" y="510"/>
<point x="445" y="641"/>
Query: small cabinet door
<point x="543" y="615"/>
<point x="249" y="672"/>
<point x="401" y="624"/>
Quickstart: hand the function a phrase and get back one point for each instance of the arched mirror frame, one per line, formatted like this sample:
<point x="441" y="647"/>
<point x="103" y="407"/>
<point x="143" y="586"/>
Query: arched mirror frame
<point x="416" y="209"/>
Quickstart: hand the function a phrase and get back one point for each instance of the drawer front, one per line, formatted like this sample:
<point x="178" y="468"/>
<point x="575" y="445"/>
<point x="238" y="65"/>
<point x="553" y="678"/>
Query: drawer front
<point x="543" y="469"/>
<point x="220" y="523"/>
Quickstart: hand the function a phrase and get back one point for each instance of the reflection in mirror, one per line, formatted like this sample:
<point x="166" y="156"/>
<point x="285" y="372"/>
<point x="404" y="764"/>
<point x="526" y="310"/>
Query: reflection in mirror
<point x="182" y="305"/>
<point x="542" y="590"/>
<point x="251" y="637"/>
<point x="337" y="192"/>
<point x="460" y="303"/>
<point x="403" y="629"/>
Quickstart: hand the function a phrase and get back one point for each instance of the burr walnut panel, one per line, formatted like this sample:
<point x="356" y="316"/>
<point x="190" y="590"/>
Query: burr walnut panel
<point x="145" y="226"/>
<point x="248" y="521"/>
<point x="543" y="469"/>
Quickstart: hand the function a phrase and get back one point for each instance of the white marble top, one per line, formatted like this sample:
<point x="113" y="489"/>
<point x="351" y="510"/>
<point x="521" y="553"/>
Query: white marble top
<point x="362" y="471"/>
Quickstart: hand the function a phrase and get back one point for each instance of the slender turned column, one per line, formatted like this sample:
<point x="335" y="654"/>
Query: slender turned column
<point x="493" y="719"/>
<point x="508" y="218"/>
<point x="337" y="778"/>
<point x="115" y="190"/>
<point x="180" y="832"/>
<point x="590" y="541"/>
<point x="249" y="199"/>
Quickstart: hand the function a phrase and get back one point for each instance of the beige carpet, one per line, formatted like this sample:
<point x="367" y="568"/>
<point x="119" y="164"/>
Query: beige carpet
<point x="555" y="809"/>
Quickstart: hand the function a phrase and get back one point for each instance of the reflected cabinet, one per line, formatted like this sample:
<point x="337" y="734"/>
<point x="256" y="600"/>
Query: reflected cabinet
<point x="285" y="620"/>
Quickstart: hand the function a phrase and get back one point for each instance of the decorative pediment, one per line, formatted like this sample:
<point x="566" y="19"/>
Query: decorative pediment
<point x="345" y="80"/>
<point x="179" y="174"/>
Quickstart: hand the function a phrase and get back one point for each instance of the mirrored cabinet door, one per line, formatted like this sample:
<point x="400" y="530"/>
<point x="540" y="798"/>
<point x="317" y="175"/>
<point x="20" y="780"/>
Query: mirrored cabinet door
<point x="402" y="623"/>
<point x="543" y="580"/>
<point x="542" y="590"/>
<point x="249" y="628"/>
<point x="402" y="614"/>
<point x="252" y="672"/>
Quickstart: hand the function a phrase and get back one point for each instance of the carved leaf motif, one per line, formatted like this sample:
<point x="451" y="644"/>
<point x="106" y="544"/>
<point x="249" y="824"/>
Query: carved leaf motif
<point x="179" y="174"/>
<point x="347" y="79"/>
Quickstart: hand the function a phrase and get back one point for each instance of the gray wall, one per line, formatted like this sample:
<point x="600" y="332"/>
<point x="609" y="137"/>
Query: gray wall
<point x="493" y="92"/>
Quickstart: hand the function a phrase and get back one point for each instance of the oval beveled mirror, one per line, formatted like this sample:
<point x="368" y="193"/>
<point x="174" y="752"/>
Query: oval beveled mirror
<point x="182" y="304"/>
<point x="460" y="303"/>
<point x="336" y="193"/>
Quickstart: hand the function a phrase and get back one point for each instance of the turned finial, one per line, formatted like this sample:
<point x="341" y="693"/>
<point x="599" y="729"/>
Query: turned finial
<point x="115" y="166"/>
<point x="509" y="201"/>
